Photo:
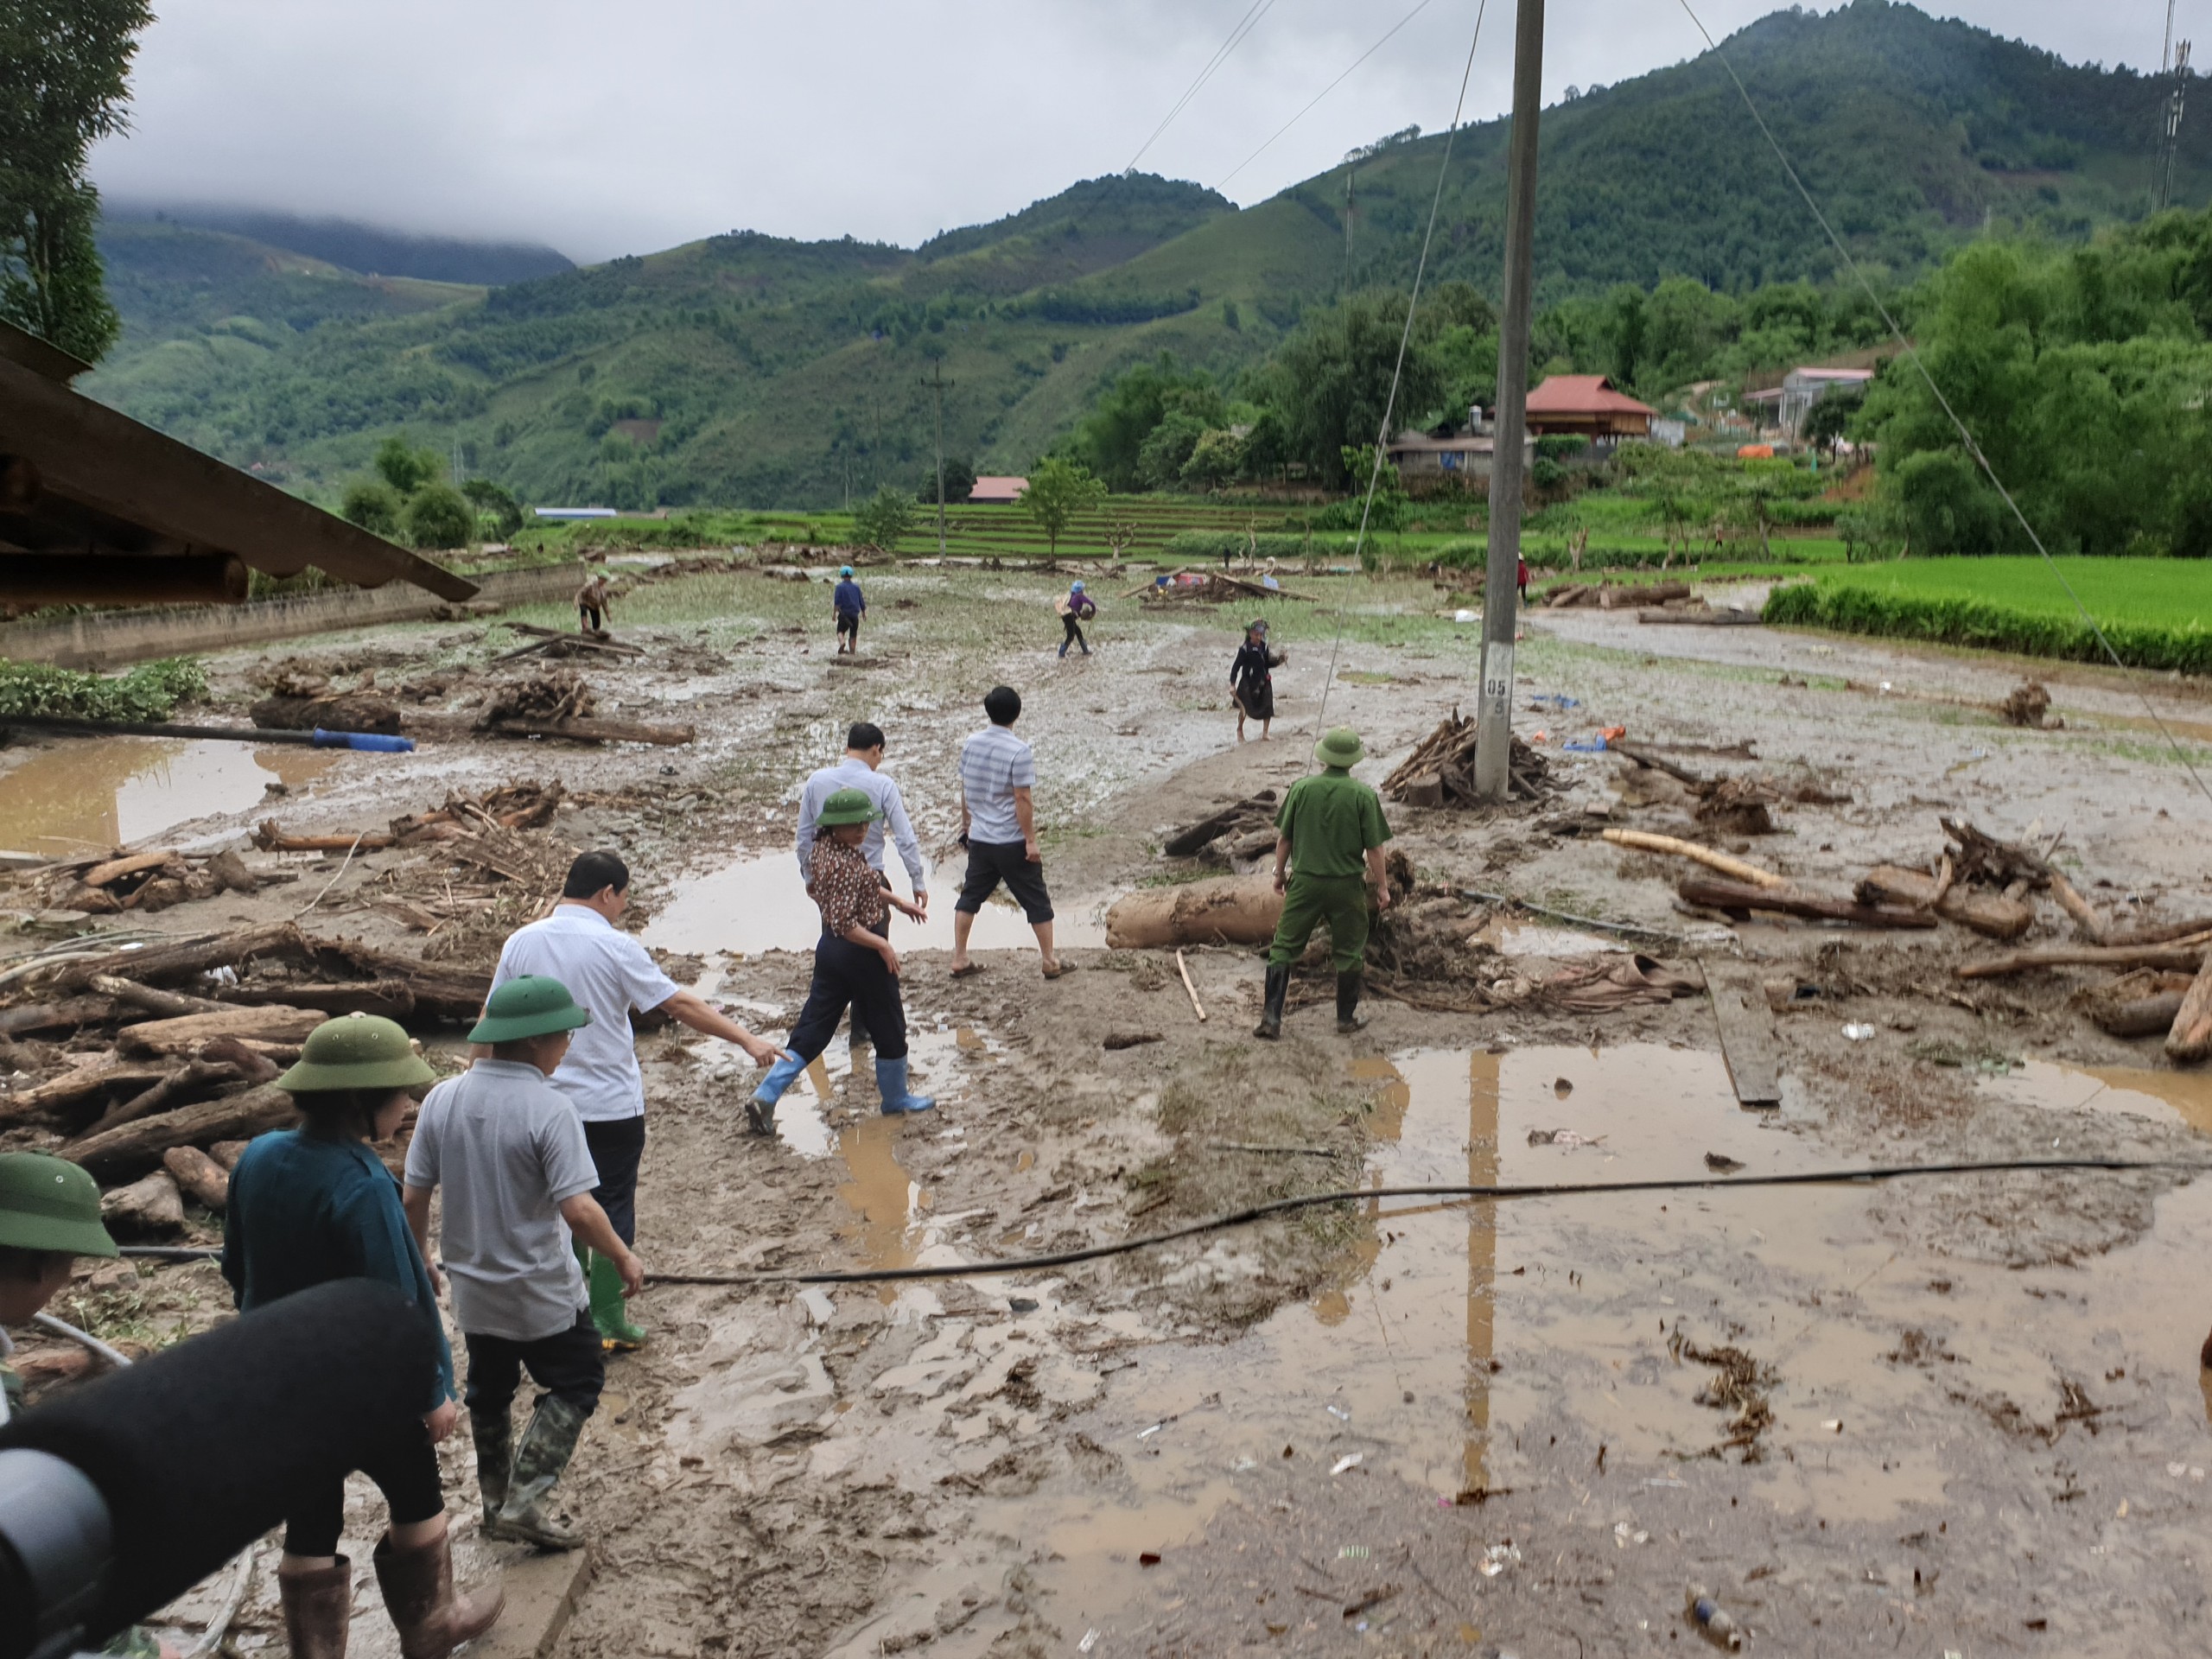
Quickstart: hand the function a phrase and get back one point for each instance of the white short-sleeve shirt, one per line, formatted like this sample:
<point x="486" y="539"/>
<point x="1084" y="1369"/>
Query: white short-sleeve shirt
<point x="608" y="972"/>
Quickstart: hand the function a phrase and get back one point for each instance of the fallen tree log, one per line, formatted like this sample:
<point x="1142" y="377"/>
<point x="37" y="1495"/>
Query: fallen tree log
<point x="204" y="1180"/>
<point x="149" y="1000"/>
<point x="1990" y="914"/>
<point x="2084" y="913"/>
<point x="440" y="991"/>
<point x="589" y="730"/>
<point x="280" y="1025"/>
<point x="1227" y="910"/>
<point x="2183" y="956"/>
<point x="135" y="1146"/>
<point x="1202" y="834"/>
<point x="70" y="1014"/>
<point x="2140" y="1004"/>
<point x="2190" y="1041"/>
<point x="394" y="999"/>
<point x="2160" y="934"/>
<point x="1680" y="774"/>
<point x="1737" y="895"/>
<point x="151" y="1207"/>
<point x="271" y="839"/>
<point x="1630" y="595"/>
<point x="168" y="963"/>
<point x="75" y="1088"/>
<point x="171" y="1089"/>
<point x="349" y="711"/>
<point x="1705" y="619"/>
<point x="115" y="869"/>
<point x="1643" y="842"/>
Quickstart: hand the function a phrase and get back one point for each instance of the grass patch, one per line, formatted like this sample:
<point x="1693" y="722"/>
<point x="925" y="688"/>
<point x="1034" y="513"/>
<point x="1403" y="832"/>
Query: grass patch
<point x="150" y="691"/>
<point x="2156" y="613"/>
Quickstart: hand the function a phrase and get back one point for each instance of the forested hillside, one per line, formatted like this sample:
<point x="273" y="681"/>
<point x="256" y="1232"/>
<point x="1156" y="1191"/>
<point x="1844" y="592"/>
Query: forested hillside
<point x="749" y="370"/>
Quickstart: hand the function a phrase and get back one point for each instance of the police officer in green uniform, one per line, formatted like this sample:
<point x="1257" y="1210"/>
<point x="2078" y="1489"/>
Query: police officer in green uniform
<point x="49" y="1215"/>
<point x="1328" y="852"/>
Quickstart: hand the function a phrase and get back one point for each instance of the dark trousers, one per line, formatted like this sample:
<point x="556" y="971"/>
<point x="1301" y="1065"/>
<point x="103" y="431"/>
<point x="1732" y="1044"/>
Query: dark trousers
<point x="1072" y="635"/>
<point x="617" y="1146"/>
<point x="570" y="1365"/>
<point x="990" y="862"/>
<point x="405" y="1470"/>
<point x="849" y="622"/>
<point x="850" y="976"/>
<point x="588" y="614"/>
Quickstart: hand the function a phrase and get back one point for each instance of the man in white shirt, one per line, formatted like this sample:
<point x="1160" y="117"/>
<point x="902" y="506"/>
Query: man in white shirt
<point x="609" y="974"/>
<point x="862" y="769"/>
<point x="998" y="826"/>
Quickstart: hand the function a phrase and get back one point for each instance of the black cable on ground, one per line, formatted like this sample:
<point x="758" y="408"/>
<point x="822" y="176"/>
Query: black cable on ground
<point x="1363" y="1194"/>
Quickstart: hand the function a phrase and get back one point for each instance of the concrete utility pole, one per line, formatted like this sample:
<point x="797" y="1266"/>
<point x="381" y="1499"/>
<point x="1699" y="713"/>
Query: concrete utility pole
<point x="1493" y="709"/>
<point x="939" y="384"/>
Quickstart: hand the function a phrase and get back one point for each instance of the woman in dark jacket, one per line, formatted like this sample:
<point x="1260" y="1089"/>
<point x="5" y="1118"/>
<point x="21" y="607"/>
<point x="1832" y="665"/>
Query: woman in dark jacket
<point x="314" y="1204"/>
<point x="1251" y="682"/>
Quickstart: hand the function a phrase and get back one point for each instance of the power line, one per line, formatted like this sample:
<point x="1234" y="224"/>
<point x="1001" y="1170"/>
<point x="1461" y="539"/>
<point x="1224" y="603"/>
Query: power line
<point x="1375" y="1194"/>
<point x="1245" y="25"/>
<point x="1405" y="339"/>
<point x="1417" y="10"/>
<point x="1965" y="434"/>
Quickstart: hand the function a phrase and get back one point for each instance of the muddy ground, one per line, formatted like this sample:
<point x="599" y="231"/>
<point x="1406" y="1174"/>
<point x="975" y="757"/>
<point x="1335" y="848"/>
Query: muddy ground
<point x="1941" y="1415"/>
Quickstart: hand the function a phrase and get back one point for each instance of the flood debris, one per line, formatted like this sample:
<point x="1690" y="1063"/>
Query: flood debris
<point x="1254" y="813"/>
<point x="1440" y="772"/>
<point x="147" y="880"/>
<point x="2029" y="704"/>
<point x="1740" y="1384"/>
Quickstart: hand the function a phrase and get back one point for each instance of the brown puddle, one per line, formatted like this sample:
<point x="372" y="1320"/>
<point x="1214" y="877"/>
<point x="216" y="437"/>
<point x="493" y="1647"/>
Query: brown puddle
<point x="757" y="904"/>
<point x="2163" y="1096"/>
<point x="106" y="792"/>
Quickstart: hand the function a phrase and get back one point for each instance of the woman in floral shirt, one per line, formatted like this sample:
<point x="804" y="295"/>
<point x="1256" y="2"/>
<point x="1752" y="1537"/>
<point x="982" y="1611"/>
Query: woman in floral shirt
<point x="855" y="966"/>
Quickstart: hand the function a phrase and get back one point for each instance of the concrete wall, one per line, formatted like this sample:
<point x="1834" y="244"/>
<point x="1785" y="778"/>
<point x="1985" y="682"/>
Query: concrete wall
<point x="116" y="638"/>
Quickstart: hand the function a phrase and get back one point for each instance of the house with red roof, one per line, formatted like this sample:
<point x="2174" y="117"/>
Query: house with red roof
<point x="1586" y="405"/>
<point x="997" y="492"/>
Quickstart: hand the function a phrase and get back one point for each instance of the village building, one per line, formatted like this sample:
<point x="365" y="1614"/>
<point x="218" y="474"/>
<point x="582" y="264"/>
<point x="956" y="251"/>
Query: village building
<point x="1589" y="406"/>
<point x="997" y="492"/>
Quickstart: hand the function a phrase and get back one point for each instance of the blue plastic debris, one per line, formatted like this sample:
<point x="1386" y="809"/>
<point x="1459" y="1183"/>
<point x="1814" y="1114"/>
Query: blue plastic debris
<point x="368" y="742"/>
<point x="1592" y="745"/>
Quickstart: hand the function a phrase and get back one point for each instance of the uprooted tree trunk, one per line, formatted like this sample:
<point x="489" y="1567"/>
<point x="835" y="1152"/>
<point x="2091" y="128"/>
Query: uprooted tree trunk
<point x="1229" y="910"/>
<point x="2190" y="1041"/>
<point x="1990" y="914"/>
<point x="148" y="1207"/>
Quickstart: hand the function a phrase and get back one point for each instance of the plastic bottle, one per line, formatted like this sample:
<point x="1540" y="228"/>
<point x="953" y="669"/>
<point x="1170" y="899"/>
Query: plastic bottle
<point x="1712" y="1619"/>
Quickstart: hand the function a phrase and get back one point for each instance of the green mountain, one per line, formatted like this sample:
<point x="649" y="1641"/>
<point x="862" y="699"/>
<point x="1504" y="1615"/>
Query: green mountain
<point x="750" y="370"/>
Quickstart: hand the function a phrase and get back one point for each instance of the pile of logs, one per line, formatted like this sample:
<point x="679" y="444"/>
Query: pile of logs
<point x="1614" y="596"/>
<point x="147" y="881"/>
<point x="1251" y="822"/>
<point x="1440" y="772"/>
<point x="555" y="704"/>
<point x="152" y="1067"/>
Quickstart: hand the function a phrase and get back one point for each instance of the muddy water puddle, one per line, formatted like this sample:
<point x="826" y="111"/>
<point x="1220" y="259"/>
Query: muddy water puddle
<point x="2169" y="1097"/>
<point x="757" y="904"/>
<point x="1462" y="1346"/>
<point x="93" y="796"/>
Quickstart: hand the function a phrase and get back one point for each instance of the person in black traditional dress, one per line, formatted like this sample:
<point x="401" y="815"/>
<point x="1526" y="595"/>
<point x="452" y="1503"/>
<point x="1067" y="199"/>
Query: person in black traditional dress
<point x="1251" y="683"/>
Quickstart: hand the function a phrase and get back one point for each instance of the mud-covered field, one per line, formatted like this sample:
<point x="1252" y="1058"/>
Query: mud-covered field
<point x="1953" y="1414"/>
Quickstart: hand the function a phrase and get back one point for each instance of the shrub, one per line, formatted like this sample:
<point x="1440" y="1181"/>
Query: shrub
<point x="1561" y="446"/>
<point x="150" y="691"/>
<point x="1213" y="543"/>
<point x="373" y="504"/>
<point x="438" y="514"/>
<point x="881" y="520"/>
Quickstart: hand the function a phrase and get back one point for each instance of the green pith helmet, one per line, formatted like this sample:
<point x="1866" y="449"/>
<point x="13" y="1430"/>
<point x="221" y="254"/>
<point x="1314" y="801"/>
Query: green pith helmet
<point x="846" y="806"/>
<point x="1341" y="750"/>
<point x="533" y="1005"/>
<point x="49" y="1204"/>
<point x="359" y="1050"/>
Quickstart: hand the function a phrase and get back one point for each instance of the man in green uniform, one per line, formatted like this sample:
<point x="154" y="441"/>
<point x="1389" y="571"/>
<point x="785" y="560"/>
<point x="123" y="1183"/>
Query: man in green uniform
<point x="49" y="1215"/>
<point x="1328" y="852"/>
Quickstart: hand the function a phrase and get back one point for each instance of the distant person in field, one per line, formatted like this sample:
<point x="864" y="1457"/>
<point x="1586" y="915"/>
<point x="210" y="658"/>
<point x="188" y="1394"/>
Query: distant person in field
<point x="1251" y="680"/>
<point x="1075" y="606"/>
<point x="1521" y="579"/>
<point x="850" y="605"/>
<point x="592" y="606"/>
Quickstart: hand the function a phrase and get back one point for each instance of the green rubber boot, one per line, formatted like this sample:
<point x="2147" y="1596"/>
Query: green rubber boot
<point x="541" y="1458"/>
<point x="494" y="1433"/>
<point x="609" y="1309"/>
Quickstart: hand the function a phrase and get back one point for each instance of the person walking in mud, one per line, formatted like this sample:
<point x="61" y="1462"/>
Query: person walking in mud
<point x="1251" y="680"/>
<point x="591" y="604"/>
<point x="855" y="965"/>
<point x="850" y="605"/>
<point x="610" y="974"/>
<point x="998" y="826"/>
<point x="1329" y="840"/>
<point x="1076" y="607"/>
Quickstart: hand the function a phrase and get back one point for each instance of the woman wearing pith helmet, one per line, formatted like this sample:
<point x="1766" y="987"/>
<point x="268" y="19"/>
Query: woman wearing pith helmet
<point x="314" y="1204"/>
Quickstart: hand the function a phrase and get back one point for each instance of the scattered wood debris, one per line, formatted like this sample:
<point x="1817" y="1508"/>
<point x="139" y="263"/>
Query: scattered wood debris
<point x="1255" y="812"/>
<point x="1440" y="772"/>
<point x="1209" y="586"/>
<point x="2029" y="704"/>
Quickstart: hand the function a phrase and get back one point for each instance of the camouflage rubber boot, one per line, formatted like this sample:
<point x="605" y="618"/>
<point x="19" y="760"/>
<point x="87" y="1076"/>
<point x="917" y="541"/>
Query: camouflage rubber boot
<point x="494" y="1433"/>
<point x="541" y="1458"/>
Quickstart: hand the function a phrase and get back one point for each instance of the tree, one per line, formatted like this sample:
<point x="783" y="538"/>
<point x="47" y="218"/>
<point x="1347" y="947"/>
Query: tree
<point x="1166" y="451"/>
<point x="1333" y="377"/>
<point x="883" y="518"/>
<point x="496" y="502"/>
<point x="1831" y="420"/>
<point x="65" y="73"/>
<point x="1111" y="439"/>
<point x="405" y="467"/>
<point x="959" y="482"/>
<point x="1059" y="489"/>
<point x="374" y="505"/>
<point x="438" y="514"/>
<point x="1217" y="457"/>
<point x="1948" y="508"/>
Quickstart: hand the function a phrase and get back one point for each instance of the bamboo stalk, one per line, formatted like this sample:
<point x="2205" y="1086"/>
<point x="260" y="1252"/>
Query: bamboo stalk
<point x="1644" y="841"/>
<point x="1197" y="1007"/>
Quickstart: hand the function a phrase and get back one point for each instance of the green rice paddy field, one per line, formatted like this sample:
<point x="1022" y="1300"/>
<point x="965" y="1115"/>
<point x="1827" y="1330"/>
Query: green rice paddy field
<point x="2156" y="613"/>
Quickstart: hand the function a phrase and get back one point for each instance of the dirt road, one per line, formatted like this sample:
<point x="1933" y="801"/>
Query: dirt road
<point x="1960" y="1415"/>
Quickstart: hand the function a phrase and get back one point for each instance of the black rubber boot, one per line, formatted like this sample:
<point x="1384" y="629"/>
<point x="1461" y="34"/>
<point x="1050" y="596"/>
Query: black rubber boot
<point x="1348" y="1015"/>
<point x="1270" y="1024"/>
<point x="494" y="1432"/>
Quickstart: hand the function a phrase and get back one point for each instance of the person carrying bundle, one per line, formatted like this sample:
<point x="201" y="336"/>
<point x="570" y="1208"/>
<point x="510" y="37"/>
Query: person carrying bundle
<point x="1076" y="607"/>
<point x="855" y="965"/>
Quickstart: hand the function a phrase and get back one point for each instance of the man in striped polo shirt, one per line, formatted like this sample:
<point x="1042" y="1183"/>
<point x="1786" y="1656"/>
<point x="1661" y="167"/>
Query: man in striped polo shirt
<point x="998" y="826"/>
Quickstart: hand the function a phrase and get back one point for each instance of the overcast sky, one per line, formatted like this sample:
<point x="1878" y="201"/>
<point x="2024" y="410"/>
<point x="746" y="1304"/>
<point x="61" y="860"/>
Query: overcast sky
<point x="605" y="127"/>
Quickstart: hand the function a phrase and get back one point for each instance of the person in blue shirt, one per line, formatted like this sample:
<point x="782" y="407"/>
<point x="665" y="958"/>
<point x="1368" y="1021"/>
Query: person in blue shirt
<point x="314" y="1204"/>
<point x="851" y="605"/>
<point x="1076" y="607"/>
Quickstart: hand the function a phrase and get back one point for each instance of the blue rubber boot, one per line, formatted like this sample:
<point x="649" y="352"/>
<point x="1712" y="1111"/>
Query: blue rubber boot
<point x="760" y="1110"/>
<point x="891" y="1084"/>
